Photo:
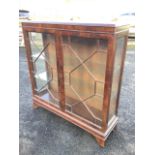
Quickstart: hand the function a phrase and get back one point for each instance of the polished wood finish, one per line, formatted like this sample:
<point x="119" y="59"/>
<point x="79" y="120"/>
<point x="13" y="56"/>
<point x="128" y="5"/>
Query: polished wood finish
<point x="108" y="82"/>
<point x="59" y="57"/>
<point x="79" y="38"/>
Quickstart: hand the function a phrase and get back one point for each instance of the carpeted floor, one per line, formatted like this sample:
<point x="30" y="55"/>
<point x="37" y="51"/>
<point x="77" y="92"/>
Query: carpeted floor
<point x="43" y="133"/>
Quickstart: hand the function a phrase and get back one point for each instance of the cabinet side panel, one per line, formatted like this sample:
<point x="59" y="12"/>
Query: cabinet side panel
<point x="120" y="42"/>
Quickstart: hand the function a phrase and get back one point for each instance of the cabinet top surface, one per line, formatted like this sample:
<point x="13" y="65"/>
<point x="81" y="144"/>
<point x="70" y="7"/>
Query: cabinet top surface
<point x="106" y="24"/>
<point x="85" y="26"/>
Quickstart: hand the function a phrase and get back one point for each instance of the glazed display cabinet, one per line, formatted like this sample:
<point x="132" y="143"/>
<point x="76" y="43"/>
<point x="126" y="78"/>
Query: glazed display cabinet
<point x="76" y="71"/>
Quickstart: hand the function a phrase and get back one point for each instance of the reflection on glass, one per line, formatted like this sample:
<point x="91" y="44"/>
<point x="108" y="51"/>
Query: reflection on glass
<point x="84" y="67"/>
<point x="36" y="43"/>
<point x="116" y="76"/>
<point x="45" y="70"/>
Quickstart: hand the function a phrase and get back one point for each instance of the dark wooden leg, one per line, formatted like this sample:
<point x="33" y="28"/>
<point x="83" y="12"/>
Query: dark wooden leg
<point x="100" y="141"/>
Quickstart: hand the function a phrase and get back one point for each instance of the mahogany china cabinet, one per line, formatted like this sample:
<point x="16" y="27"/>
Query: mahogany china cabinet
<point x="76" y="71"/>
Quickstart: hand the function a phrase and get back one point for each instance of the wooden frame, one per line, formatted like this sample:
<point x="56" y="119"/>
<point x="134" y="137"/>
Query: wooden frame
<point x="111" y="32"/>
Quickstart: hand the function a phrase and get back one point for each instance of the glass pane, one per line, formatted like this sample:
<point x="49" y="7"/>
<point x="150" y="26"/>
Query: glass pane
<point x="116" y="76"/>
<point x="36" y="43"/>
<point x="84" y="67"/>
<point x="45" y="69"/>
